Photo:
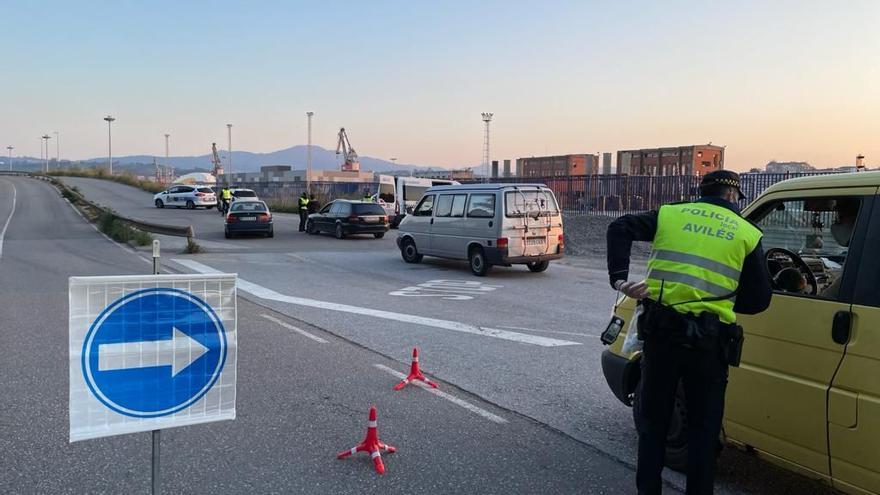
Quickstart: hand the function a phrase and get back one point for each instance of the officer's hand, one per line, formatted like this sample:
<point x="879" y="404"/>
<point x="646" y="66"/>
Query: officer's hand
<point x="635" y="290"/>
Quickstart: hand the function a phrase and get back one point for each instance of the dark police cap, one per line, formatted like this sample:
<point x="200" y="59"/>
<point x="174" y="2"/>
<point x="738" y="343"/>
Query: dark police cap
<point x="723" y="177"/>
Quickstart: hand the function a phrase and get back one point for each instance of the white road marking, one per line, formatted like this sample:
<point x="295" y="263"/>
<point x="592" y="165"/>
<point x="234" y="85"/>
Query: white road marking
<point x="295" y="329"/>
<point x="443" y="395"/>
<point x="8" y="219"/>
<point x="548" y="331"/>
<point x="455" y="326"/>
<point x="450" y="290"/>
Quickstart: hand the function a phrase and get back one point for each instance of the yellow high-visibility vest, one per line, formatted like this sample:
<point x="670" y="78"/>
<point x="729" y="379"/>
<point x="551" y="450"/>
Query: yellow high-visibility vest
<point x="698" y="254"/>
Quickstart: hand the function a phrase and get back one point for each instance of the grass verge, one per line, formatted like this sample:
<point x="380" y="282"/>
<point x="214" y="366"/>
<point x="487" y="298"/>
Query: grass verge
<point x="120" y="231"/>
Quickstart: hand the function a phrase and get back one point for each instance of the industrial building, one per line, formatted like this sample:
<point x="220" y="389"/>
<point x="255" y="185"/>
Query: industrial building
<point x="698" y="159"/>
<point x="557" y="166"/>
<point x="775" y="167"/>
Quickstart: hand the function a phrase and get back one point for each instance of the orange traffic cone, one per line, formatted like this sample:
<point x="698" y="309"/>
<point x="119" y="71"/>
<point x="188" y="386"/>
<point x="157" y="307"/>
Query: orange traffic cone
<point x="414" y="373"/>
<point x="371" y="444"/>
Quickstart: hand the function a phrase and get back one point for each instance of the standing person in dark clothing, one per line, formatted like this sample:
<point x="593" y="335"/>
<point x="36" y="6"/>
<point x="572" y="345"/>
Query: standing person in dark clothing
<point x="313" y="205"/>
<point x="303" y="211"/>
<point x="707" y="264"/>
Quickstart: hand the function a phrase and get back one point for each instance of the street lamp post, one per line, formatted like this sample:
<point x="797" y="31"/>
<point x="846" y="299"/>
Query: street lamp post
<point x="46" y="138"/>
<point x="309" y="155"/>
<point x="229" y="136"/>
<point x="109" y="120"/>
<point x="57" y="150"/>
<point x="10" y="148"/>
<point x="166" y="154"/>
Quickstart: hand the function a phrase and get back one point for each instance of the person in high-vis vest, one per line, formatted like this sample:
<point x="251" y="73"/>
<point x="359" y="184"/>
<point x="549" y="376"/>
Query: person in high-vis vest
<point x="706" y="265"/>
<point x="303" y="211"/>
<point x="226" y="197"/>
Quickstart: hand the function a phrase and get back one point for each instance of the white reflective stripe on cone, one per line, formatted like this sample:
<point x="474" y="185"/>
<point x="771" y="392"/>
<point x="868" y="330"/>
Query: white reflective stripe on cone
<point x="372" y="424"/>
<point x="375" y="454"/>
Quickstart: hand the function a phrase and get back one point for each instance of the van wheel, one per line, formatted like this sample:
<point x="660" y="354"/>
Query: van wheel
<point x="477" y="259"/>
<point x="408" y="251"/>
<point x="676" y="436"/>
<point x="538" y="266"/>
<point x="160" y="204"/>
<point x="379" y="235"/>
<point x="339" y="232"/>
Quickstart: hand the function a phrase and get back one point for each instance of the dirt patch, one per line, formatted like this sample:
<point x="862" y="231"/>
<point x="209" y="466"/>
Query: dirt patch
<point x="585" y="236"/>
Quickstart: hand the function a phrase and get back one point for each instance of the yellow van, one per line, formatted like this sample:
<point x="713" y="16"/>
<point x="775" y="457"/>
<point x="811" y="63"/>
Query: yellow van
<point x="807" y="392"/>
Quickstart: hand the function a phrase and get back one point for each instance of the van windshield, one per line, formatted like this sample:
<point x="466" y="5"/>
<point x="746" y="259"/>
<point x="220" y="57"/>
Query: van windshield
<point x="530" y="203"/>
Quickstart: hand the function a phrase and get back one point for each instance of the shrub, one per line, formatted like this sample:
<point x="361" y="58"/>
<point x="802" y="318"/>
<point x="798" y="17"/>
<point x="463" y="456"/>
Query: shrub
<point x="119" y="231"/>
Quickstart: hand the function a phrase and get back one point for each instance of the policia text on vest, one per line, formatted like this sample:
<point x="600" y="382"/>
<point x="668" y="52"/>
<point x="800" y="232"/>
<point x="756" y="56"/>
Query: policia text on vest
<point x="707" y="264"/>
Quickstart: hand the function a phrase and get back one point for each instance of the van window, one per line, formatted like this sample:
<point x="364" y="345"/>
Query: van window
<point x="458" y="203"/>
<point x="449" y="205"/>
<point x="530" y="203"/>
<point x="815" y="230"/>
<point x="481" y="206"/>
<point x="413" y="193"/>
<point x="386" y="192"/>
<point x="425" y="207"/>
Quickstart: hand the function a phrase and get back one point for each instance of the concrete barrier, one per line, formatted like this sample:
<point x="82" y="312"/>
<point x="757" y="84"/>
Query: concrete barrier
<point x="155" y="228"/>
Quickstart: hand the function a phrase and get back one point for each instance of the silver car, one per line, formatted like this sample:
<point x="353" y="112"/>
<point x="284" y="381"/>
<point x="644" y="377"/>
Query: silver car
<point x="186" y="196"/>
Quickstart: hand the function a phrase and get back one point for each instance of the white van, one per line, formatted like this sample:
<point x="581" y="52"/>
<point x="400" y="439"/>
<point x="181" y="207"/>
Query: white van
<point x="398" y="195"/>
<point x="486" y="224"/>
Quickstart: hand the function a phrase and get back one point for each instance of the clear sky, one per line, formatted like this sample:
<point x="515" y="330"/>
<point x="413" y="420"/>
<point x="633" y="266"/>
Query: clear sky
<point x="785" y="80"/>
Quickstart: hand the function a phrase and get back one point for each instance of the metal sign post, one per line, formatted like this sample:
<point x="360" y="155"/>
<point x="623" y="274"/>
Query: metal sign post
<point x="156" y="434"/>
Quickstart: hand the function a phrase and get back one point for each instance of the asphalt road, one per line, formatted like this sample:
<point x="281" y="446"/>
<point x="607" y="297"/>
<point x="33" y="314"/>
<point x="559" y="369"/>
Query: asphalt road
<point x="522" y="344"/>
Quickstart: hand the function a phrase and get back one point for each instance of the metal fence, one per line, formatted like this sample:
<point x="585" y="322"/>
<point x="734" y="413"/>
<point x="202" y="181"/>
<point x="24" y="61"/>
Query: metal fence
<point x="621" y="194"/>
<point x="577" y="195"/>
<point x="286" y="193"/>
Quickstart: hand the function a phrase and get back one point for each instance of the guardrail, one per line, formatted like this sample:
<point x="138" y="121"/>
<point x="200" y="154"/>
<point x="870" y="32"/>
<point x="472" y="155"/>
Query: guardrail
<point x="155" y="228"/>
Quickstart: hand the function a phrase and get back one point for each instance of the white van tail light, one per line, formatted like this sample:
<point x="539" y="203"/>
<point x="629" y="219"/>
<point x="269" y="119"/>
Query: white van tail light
<point x="501" y="243"/>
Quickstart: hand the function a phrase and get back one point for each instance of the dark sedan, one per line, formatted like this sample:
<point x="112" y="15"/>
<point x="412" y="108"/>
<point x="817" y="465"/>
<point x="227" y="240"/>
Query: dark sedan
<point x="247" y="217"/>
<point x="343" y="217"/>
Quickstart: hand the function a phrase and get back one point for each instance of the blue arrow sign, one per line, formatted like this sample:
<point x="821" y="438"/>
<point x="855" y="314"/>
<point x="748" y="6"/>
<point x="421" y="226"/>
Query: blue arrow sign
<point x="154" y="352"/>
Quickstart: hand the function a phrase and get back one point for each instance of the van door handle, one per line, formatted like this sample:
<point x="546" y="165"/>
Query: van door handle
<point x="432" y="221"/>
<point x="841" y="327"/>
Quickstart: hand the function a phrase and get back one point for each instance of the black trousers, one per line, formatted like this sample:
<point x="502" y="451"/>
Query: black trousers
<point x="704" y="376"/>
<point x="303" y="216"/>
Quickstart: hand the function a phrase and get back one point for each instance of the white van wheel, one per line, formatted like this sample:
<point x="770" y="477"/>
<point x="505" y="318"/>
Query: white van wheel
<point x="408" y="251"/>
<point x="538" y="266"/>
<point x="477" y="259"/>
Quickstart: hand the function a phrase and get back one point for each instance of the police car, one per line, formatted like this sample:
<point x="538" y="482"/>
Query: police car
<point x="189" y="197"/>
<point x="806" y="395"/>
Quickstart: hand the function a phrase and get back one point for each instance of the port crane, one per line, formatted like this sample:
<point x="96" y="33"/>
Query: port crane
<point x="215" y="159"/>
<point x="352" y="164"/>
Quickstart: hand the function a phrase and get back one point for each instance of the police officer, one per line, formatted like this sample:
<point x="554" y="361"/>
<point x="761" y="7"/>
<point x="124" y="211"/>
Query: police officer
<point x="368" y="198"/>
<point x="707" y="264"/>
<point x="303" y="211"/>
<point x="226" y="196"/>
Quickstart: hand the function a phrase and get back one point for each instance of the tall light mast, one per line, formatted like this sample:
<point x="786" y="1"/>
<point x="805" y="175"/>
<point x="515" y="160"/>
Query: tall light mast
<point x="487" y="117"/>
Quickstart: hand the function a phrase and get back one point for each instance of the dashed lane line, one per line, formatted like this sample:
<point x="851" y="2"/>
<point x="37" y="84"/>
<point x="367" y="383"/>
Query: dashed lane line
<point x="455" y="326"/>
<point x="443" y="395"/>
<point x="295" y="329"/>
